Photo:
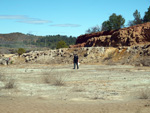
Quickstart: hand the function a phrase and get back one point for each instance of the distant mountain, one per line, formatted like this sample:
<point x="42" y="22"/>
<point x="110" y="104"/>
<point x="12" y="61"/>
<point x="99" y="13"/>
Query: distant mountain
<point x="17" y="37"/>
<point x="20" y="40"/>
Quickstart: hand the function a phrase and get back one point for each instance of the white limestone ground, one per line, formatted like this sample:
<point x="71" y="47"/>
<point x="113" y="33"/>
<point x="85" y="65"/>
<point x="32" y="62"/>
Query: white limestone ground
<point x="89" y="83"/>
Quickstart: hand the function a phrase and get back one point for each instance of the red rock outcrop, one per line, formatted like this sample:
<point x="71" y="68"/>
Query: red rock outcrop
<point x="84" y="38"/>
<point x="139" y="34"/>
<point x="135" y="35"/>
<point x="99" y="41"/>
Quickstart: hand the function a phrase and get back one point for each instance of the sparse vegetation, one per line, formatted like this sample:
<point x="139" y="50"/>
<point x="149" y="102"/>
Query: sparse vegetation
<point x="93" y="83"/>
<point x="2" y="76"/>
<point x="31" y="42"/>
<point x="21" y="51"/>
<point x="10" y="84"/>
<point x="144" y="94"/>
<point x="11" y="62"/>
<point x="78" y="89"/>
<point x="54" y="79"/>
<point x="93" y="29"/>
<point x="61" y="44"/>
<point x="59" y="81"/>
<point x="97" y="96"/>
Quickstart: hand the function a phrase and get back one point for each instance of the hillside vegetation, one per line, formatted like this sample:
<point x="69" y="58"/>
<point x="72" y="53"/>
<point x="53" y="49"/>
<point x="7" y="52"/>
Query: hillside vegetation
<point x="9" y="43"/>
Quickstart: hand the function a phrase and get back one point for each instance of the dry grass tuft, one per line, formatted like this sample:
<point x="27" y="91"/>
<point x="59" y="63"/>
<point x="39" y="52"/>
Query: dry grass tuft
<point x="10" y="84"/>
<point x="78" y="89"/>
<point x="2" y="76"/>
<point x="58" y="81"/>
<point x="144" y="94"/>
<point x="97" y="97"/>
<point x="54" y="79"/>
<point x="141" y="94"/>
<point x="8" y="81"/>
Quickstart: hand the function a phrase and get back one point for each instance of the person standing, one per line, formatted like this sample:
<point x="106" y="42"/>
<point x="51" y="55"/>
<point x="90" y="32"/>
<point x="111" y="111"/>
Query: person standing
<point x="76" y="60"/>
<point x="7" y="61"/>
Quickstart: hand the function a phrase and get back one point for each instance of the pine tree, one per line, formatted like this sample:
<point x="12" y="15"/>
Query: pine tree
<point x="147" y="16"/>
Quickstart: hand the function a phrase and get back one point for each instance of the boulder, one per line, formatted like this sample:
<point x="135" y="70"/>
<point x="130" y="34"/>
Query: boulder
<point x="3" y="62"/>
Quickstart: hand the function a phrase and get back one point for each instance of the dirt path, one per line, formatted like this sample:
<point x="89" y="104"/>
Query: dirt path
<point x="42" y="105"/>
<point x="60" y="89"/>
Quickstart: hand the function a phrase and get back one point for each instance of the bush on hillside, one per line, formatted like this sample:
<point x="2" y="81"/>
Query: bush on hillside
<point x="21" y="51"/>
<point x="61" y="44"/>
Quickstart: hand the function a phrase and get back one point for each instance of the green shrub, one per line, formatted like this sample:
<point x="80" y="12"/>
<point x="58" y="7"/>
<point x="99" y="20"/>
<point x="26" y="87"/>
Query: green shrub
<point x="61" y="44"/>
<point x="11" y="62"/>
<point x="21" y="51"/>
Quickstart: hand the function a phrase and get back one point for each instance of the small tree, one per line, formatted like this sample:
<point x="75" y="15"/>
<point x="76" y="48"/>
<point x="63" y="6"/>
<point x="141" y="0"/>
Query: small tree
<point x="106" y="26"/>
<point x="93" y="29"/>
<point x="147" y="16"/>
<point x="137" y="19"/>
<point x="21" y="51"/>
<point x="61" y="44"/>
<point x="114" y="22"/>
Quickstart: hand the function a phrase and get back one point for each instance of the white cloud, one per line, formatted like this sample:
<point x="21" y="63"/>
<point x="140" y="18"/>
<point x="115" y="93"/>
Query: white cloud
<point x="13" y="17"/>
<point x="66" y="25"/>
<point x="24" y="19"/>
<point x="35" y="21"/>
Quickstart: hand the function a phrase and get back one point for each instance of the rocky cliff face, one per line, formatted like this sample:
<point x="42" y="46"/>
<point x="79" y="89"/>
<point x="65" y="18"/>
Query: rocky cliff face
<point x="135" y="35"/>
<point x="139" y="34"/>
<point x="136" y="55"/>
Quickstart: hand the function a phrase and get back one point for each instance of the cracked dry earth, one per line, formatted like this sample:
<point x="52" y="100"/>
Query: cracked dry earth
<point x="39" y="88"/>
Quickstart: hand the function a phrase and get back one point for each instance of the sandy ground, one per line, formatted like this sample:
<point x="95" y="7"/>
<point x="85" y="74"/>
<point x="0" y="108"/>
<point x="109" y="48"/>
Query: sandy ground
<point x="41" y="88"/>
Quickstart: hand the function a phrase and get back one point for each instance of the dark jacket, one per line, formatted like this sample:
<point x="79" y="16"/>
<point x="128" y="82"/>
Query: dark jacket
<point x="75" y="58"/>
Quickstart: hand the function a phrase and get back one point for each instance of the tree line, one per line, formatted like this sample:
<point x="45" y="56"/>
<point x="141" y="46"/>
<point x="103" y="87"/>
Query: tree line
<point x="117" y="21"/>
<point x="53" y="41"/>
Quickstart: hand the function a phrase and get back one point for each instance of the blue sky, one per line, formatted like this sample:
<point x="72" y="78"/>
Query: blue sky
<point x="64" y="17"/>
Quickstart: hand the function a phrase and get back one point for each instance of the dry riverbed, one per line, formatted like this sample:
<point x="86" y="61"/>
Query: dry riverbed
<point x="37" y="88"/>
